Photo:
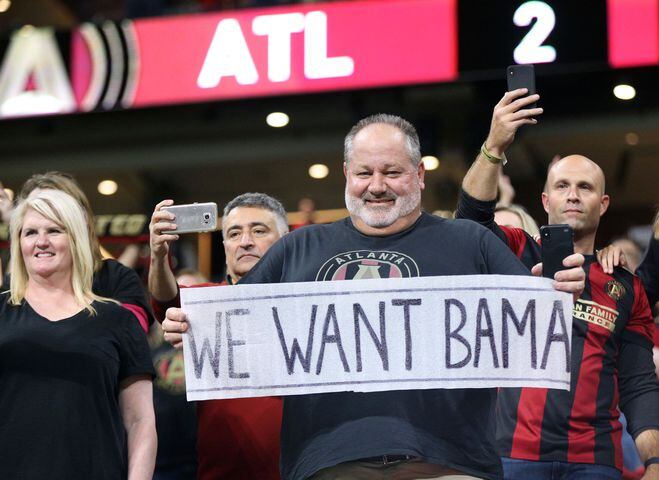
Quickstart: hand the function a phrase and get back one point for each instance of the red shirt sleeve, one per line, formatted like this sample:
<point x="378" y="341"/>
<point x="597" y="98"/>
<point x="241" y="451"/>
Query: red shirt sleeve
<point x="516" y="239"/>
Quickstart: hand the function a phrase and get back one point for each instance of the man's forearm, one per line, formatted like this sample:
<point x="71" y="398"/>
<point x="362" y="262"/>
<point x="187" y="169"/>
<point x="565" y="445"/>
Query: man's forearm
<point x="482" y="179"/>
<point x="162" y="283"/>
<point x="647" y="443"/>
<point x="512" y="111"/>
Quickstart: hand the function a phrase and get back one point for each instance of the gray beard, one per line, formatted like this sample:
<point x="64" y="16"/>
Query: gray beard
<point x="381" y="217"/>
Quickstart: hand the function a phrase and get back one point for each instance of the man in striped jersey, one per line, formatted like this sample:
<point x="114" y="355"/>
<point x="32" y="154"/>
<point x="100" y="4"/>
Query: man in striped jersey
<point x="554" y="434"/>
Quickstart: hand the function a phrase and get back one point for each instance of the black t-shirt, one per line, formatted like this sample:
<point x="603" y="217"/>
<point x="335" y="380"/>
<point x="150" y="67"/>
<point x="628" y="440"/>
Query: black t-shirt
<point x="122" y="284"/>
<point x="59" y="388"/>
<point x="454" y="428"/>
<point x="648" y="270"/>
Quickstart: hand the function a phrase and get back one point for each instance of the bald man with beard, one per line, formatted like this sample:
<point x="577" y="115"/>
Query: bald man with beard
<point x="575" y="434"/>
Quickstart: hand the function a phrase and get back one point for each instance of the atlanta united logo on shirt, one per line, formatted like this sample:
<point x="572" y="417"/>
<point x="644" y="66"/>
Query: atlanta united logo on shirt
<point x="363" y="264"/>
<point x="615" y="289"/>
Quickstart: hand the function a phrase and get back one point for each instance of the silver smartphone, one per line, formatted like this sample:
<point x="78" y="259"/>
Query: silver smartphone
<point x="194" y="217"/>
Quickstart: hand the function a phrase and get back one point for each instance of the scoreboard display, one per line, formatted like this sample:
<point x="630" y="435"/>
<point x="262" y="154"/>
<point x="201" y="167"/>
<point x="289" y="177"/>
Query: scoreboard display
<point x="557" y="32"/>
<point x="319" y="47"/>
<point x="561" y="33"/>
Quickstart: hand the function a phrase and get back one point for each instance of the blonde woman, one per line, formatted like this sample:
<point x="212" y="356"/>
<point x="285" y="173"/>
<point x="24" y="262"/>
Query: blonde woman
<point x="111" y="278"/>
<point x="75" y="369"/>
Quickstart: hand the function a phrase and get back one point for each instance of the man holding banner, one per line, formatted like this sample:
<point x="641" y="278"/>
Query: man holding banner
<point x="402" y="433"/>
<point x="577" y="432"/>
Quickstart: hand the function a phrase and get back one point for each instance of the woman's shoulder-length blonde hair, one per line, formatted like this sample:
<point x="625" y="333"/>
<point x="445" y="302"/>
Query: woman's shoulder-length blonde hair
<point x="61" y="208"/>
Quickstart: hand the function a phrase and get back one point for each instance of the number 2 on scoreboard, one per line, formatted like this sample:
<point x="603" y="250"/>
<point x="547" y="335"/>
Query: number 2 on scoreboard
<point x="531" y="49"/>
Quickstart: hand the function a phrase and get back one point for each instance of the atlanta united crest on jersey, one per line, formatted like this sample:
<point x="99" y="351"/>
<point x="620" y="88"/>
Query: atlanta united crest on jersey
<point x="367" y="264"/>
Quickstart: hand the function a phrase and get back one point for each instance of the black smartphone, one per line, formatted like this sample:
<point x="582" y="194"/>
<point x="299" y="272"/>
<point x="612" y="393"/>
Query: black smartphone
<point x="557" y="243"/>
<point x="521" y="76"/>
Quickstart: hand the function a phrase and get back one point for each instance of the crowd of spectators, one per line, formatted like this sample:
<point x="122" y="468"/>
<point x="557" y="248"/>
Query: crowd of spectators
<point x="58" y="273"/>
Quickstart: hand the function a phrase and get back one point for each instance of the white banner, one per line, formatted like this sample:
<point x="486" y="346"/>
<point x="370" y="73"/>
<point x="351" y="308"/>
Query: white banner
<point x="473" y="331"/>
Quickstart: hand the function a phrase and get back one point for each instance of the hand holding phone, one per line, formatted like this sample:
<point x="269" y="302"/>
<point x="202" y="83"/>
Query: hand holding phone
<point x="513" y="110"/>
<point x="194" y="217"/>
<point x="557" y="242"/>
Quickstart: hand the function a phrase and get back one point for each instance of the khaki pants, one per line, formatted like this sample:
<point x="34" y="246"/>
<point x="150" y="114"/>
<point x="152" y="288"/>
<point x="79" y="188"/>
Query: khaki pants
<point x="412" y="469"/>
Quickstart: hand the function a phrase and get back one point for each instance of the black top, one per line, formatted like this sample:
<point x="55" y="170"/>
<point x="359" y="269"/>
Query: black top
<point x="122" y="284"/>
<point x="59" y="387"/>
<point x="611" y="364"/>
<point x="648" y="270"/>
<point x="453" y="427"/>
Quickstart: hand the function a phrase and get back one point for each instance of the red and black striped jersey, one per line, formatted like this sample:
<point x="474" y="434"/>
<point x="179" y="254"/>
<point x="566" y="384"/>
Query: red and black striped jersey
<point x="611" y="365"/>
<point x="611" y="333"/>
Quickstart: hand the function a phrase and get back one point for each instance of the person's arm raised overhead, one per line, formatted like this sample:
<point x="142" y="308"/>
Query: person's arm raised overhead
<point x="162" y="282"/>
<point x="509" y="114"/>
